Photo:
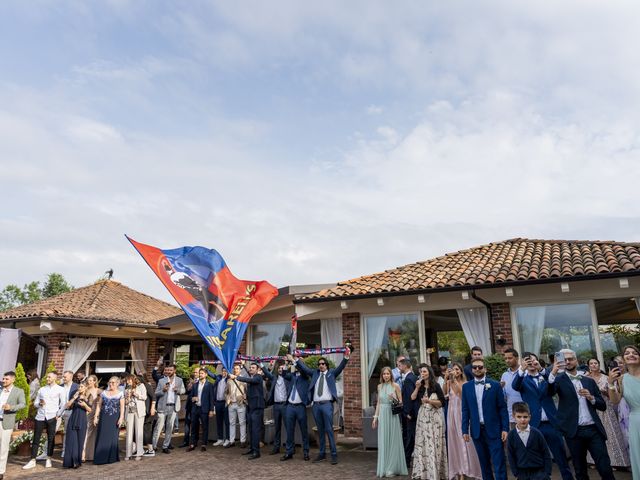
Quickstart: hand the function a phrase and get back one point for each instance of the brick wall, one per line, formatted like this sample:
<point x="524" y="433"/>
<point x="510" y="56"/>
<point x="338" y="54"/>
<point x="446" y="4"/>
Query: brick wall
<point x="54" y="354"/>
<point x="501" y="322"/>
<point x="352" y="380"/>
<point x="155" y="350"/>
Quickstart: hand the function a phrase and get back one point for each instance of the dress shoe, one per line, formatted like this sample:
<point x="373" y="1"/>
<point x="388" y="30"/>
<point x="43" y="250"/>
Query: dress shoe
<point x="254" y="456"/>
<point x="203" y="448"/>
<point x="243" y="444"/>
<point x="306" y="457"/>
<point x="286" y="457"/>
<point x="334" y="460"/>
<point x="183" y="445"/>
<point x="191" y="448"/>
<point x="166" y="450"/>
<point x="170" y="447"/>
<point x="319" y="458"/>
<point x="248" y="452"/>
<point x="274" y="452"/>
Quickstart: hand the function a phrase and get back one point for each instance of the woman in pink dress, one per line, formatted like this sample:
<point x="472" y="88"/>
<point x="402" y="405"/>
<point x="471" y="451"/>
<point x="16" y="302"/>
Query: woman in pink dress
<point x="463" y="460"/>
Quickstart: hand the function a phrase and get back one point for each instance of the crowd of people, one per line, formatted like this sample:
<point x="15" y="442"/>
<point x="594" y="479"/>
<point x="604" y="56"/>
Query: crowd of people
<point x="456" y="422"/>
<point x="93" y="417"/>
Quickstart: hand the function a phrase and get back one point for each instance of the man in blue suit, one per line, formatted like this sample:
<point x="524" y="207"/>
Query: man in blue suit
<point x="323" y="392"/>
<point x="201" y="399"/>
<point x="277" y="397"/>
<point x="407" y="381"/>
<point x="578" y="400"/>
<point x="255" y="398"/>
<point x="296" y="411"/>
<point x="486" y="421"/>
<point x="534" y="390"/>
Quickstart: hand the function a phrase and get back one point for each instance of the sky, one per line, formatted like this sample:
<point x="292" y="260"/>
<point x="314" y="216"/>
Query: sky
<point x="310" y="142"/>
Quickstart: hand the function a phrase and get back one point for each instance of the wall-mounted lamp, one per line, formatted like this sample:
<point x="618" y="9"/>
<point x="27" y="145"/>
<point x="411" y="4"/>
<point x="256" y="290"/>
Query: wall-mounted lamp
<point x="380" y="302"/>
<point x="343" y="305"/>
<point x="348" y="344"/>
<point x="508" y="292"/>
<point x="500" y="340"/>
<point x="64" y="344"/>
<point x="115" y="329"/>
<point x="624" y="283"/>
<point x="465" y="295"/>
<point x="564" y="287"/>
<point x="421" y="299"/>
<point x="145" y="331"/>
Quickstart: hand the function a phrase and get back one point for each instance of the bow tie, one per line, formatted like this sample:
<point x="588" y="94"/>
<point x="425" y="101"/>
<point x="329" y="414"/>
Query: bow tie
<point x="479" y="382"/>
<point x="574" y="377"/>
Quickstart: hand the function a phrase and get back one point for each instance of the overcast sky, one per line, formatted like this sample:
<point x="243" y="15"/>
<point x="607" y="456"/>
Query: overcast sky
<point x="310" y="141"/>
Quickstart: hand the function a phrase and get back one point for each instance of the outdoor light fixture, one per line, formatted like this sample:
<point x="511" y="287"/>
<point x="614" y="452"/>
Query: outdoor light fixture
<point x="465" y="295"/>
<point x="64" y="344"/>
<point x="348" y="344"/>
<point x="115" y="329"/>
<point x="343" y="305"/>
<point x="564" y="286"/>
<point x="46" y="326"/>
<point x="500" y="340"/>
<point x="508" y="292"/>
<point x="145" y="331"/>
<point x="624" y="283"/>
<point x="380" y="302"/>
<point x="421" y="299"/>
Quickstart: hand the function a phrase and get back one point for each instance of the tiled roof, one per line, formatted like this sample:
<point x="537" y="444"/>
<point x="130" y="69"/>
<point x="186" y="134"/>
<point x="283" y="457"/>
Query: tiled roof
<point x="104" y="301"/>
<point x="512" y="261"/>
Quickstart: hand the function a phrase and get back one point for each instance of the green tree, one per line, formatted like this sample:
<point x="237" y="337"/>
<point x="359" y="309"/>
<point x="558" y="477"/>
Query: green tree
<point x="495" y="366"/>
<point x="55" y="285"/>
<point x="50" y="368"/>
<point x="21" y="382"/>
<point x="13" y="296"/>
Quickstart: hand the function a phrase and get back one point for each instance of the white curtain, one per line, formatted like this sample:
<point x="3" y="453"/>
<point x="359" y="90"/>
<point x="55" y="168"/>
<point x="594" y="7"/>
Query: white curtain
<point x="475" y="325"/>
<point x="638" y="303"/>
<point x="40" y="351"/>
<point x="9" y="346"/>
<point x="531" y="325"/>
<point x="138" y="352"/>
<point x="376" y="328"/>
<point x="331" y="336"/>
<point x="78" y="352"/>
<point x="267" y="338"/>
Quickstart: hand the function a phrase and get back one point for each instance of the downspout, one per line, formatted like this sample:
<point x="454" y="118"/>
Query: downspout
<point x="490" y="314"/>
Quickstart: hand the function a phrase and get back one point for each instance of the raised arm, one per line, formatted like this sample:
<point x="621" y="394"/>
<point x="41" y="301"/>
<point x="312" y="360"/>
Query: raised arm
<point x="304" y="369"/>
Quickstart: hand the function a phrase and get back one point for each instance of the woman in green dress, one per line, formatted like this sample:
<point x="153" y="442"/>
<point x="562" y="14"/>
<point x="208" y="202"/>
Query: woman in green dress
<point x="629" y="389"/>
<point x="391" y="459"/>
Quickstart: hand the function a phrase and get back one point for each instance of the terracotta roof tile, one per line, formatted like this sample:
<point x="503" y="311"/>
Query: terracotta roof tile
<point x="106" y="301"/>
<point x="515" y="260"/>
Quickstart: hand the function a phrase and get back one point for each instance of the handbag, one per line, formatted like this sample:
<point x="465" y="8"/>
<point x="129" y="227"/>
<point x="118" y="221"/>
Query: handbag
<point x="396" y="406"/>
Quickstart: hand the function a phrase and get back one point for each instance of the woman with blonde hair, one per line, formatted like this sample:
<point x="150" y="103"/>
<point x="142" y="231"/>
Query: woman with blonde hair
<point x="135" y="397"/>
<point x="109" y="418"/>
<point x="391" y="459"/>
<point x="92" y="395"/>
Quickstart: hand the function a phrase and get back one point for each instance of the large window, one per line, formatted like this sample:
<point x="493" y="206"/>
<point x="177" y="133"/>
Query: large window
<point x="388" y="337"/>
<point x="545" y="329"/>
<point x="267" y="338"/>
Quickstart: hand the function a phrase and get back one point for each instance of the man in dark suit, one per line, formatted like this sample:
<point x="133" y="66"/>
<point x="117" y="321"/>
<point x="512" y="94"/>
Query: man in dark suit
<point x="535" y="393"/>
<point x="323" y="392"/>
<point x="201" y="399"/>
<point x="486" y="421"/>
<point x="296" y="410"/>
<point x="255" y="417"/>
<point x="407" y="381"/>
<point x="277" y="397"/>
<point x="70" y="388"/>
<point x="222" y="413"/>
<point x="578" y="400"/>
<point x="476" y="354"/>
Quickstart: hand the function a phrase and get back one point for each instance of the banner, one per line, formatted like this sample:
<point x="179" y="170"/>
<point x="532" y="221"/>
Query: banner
<point x="294" y="334"/>
<point x="218" y="304"/>
<point x="305" y="352"/>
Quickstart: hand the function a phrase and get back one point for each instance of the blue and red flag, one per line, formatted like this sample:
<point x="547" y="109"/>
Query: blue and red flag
<point x="218" y="304"/>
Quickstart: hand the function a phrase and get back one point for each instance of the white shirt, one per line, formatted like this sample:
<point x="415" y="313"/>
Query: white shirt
<point x="326" y="394"/>
<point x="479" y="393"/>
<point x="294" y="398"/>
<point x="53" y="396"/>
<point x="584" y="416"/>
<point x="67" y="390"/>
<point x="4" y="397"/>
<point x="280" y="393"/>
<point x="222" y="383"/>
<point x="524" y="434"/>
<point x="512" y="396"/>
<point x="200" y="389"/>
<point x="171" y="395"/>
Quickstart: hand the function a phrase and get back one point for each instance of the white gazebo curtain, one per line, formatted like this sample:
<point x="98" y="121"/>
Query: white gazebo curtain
<point x="267" y="338"/>
<point x="531" y="323"/>
<point x="376" y="329"/>
<point x="78" y="352"/>
<point x="475" y="325"/>
<point x="9" y="346"/>
<point x="42" y="357"/>
<point x="138" y="351"/>
<point x="331" y="336"/>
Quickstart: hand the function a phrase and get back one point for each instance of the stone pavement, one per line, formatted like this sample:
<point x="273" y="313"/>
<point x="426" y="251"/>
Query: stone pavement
<point x="227" y="464"/>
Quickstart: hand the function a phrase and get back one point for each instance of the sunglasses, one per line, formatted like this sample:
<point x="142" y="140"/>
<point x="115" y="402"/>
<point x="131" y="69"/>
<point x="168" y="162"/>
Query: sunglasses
<point x="477" y="367"/>
<point x="321" y="363"/>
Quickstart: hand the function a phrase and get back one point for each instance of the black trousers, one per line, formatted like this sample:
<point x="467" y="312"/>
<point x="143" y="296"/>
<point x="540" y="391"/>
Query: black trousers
<point x="408" y="437"/>
<point x="255" y="420"/>
<point x="187" y="423"/>
<point x="199" y="418"/>
<point x="50" y="425"/>
<point x="149" y="422"/>
<point x="589" y="439"/>
<point x="222" y="420"/>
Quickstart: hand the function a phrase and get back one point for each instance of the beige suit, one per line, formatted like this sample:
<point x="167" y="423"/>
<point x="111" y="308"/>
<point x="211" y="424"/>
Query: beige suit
<point x="16" y="402"/>
<point x="135" y="420"/>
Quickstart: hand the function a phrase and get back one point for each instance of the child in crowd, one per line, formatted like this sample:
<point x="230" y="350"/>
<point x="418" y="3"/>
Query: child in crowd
<point x="528" y="453"/>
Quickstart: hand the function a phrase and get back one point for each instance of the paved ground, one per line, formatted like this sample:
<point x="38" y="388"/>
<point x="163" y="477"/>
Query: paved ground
<point x="217" y="462"/>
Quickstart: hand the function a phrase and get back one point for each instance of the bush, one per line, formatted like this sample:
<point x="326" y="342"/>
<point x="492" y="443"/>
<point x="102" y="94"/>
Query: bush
<point x="21" y="382"/>
<point x="495" y="366"/>
<point x="50" y="368"/>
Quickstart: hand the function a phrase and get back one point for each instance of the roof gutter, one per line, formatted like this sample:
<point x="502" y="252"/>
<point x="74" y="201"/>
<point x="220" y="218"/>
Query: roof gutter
<point x="83" y="321"/>
<point x="457" y="288"/>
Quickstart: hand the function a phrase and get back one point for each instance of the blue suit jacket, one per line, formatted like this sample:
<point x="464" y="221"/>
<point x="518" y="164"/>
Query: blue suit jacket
<point x="300" y="382"/>
<point x="468" y="372"/>
<point x="255" y="391"/>
<point x="568" y="406"/>
<point x="272" y="390"/>
<point x="207" y="400"/>
<point x="494" y="409"/>
<point x="330" y="377"/>
<point x="409" y="407"/>
<point x="536" y="394"/>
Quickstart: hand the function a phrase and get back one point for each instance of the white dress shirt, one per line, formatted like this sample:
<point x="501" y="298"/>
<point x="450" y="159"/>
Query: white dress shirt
<point x="171" y="395"/>
<point x="512" y="396"/>
<point x="220" y="386"/>
<point x="53" y="396"/>
<point x="524" y="434"/>
<point x="584" y="416"/>
<point x="326" y="394"/>
<point x="280" y="393"/>
<point x="479" y="393"/>
<point x="4" y="397"/>
<point x="200" y="389"/>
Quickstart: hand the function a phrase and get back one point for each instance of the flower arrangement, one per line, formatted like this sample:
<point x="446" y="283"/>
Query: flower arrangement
<point x="26" y="436"/>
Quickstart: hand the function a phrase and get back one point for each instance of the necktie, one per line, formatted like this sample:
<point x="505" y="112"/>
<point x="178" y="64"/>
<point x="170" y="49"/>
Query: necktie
<point x="479" y="382"/>
<point x="321" y="385"/>
<point x="293" y="389"/>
